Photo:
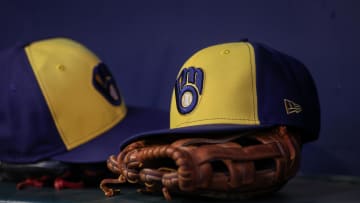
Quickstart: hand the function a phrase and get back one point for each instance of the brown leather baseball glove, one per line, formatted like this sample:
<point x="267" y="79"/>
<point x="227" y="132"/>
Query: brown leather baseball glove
<point x="237" y="165"/>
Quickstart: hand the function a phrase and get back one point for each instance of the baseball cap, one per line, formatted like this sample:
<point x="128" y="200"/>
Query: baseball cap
<point x="60" y="101"/>
<point x="239" y="86"/>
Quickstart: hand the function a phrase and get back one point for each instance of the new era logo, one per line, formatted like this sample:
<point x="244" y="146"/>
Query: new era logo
<point x="292" y="107"/>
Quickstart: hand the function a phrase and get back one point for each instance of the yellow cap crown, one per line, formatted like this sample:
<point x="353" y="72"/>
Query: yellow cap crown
<point x="209" y="84"/>
<point x="64" y="70"/>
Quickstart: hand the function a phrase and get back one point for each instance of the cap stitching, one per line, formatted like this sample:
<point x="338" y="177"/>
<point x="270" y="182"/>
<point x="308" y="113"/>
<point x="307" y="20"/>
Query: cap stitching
<point x="252" y="82"/>
<point x="213" y="119"/>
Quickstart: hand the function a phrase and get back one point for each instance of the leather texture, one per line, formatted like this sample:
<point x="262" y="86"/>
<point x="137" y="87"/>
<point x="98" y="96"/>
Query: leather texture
<point x="232" y="166"/>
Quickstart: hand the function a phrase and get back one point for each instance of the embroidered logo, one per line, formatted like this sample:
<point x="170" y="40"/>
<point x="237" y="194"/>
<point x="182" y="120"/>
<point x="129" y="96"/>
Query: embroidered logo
<point x="104" y="83"/>
<point x="292" y="107"/>
<point x="188" y="88"/>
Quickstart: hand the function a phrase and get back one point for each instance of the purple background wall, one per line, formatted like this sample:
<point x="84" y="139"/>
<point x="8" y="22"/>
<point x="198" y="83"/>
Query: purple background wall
<point x="145" y="43"/>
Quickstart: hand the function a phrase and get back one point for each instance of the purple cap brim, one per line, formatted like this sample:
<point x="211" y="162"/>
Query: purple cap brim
<point x="193" y="131"/>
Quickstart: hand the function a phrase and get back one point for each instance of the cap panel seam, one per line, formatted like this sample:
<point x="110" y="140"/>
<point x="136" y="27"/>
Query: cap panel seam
<point x="43" y="89"/>
<point x="254" y="90"/>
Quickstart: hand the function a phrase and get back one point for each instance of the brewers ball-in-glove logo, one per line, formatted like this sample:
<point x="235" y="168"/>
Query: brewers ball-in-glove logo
<point x="105" y="84"/>
<point x="188" y="89"/>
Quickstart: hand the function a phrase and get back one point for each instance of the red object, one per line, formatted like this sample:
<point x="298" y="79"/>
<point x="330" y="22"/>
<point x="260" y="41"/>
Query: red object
<point x="33" y="182"/>
<point x="60" y="183"/>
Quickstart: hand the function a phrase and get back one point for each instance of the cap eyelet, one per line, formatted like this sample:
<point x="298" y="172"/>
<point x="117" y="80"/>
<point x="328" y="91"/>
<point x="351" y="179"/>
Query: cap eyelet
<point x="61" y="67"/>
<point x="226" y="51"/>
